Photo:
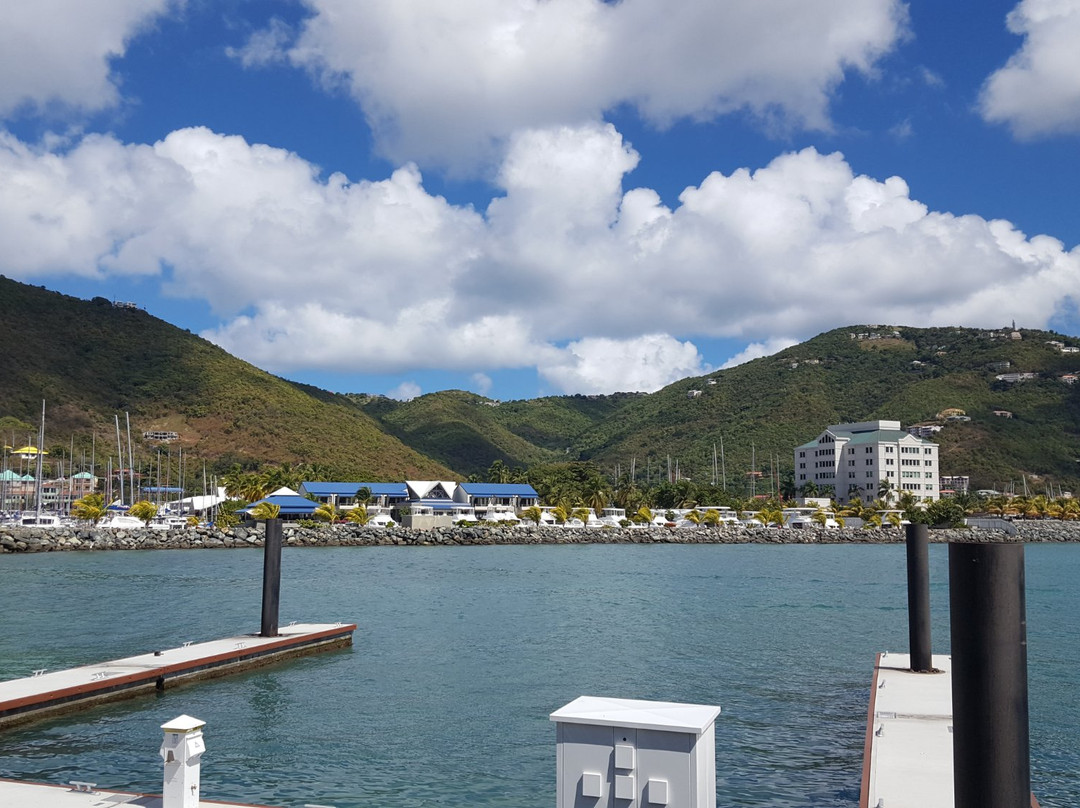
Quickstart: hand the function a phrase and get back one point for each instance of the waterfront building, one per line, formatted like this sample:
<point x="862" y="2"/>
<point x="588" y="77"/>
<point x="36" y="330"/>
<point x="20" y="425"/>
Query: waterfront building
<point x="850" y="461"/>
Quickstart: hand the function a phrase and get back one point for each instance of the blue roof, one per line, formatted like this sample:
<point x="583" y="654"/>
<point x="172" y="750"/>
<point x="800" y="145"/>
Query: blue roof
<point x="499" y="490"/>
<point x="288" y="504"/>
<point x="320" y="489"/>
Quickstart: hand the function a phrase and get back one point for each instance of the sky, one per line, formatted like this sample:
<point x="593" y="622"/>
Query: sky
<point x="542" y="197"/>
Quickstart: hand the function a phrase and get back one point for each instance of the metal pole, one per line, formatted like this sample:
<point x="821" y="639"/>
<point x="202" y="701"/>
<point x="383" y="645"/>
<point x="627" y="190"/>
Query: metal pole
<point x="918" y="597"/>
<point x="991" y="757"/>
<point x="271" y="594"/>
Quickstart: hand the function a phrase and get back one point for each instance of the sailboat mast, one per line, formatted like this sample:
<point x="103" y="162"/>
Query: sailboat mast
<point x="131" y="460"/>
<point x="40" y="448"/>
<point x="120" y="456"/>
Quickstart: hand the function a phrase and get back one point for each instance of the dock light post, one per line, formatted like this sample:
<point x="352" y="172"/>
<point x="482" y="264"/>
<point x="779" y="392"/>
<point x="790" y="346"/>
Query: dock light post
<point x="918" y="583"/>
<point x="991" y="757"/>
<point x="271" y="592"/>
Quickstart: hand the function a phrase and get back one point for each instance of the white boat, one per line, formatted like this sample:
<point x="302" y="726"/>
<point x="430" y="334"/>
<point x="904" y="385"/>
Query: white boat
<point x="120" y="521"/>
<point x="168" y="522"/>
<point x="40" y="520"/>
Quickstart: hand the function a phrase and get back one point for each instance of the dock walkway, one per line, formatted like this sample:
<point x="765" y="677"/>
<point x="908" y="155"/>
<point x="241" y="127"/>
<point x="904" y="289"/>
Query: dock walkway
<point x="47" y="693"/>
<point x="40" y="795"/>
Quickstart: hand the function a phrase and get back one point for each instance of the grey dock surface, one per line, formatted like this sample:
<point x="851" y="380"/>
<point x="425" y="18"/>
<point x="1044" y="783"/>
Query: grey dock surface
<point x="39" y="795"/>
<point x="49" y="693"/>
<point x="908" y="754"/>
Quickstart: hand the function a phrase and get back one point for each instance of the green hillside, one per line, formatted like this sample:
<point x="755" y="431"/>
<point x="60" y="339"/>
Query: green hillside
<point x="90" y="361"/>
<point x="468" y="432"/>
<point x="763" y="409"/>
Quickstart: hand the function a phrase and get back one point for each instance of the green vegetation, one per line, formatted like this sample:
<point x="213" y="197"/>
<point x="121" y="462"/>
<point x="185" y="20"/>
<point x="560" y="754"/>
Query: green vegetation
<point x="90" y="508"/>
<point x="264" y="511"/>
<point x="90" y="361"/>
<point x="144" y="510"/>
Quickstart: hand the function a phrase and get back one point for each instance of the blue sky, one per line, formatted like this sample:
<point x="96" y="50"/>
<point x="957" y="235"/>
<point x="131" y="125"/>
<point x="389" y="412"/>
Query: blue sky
<point x="531" y="198"/>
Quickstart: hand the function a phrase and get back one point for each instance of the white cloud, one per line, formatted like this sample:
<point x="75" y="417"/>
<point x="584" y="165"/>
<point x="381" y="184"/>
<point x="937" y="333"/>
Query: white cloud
<point x="602" y="365"/>
<point x="1038" y="91"/>
<point x="406" y="391"/>
<point x="446" y="83"/>
<point x="756" y="350"/>
<point x="597" y="288"/>
<point x="481" y="383"/>
<point x="58" y="52"/>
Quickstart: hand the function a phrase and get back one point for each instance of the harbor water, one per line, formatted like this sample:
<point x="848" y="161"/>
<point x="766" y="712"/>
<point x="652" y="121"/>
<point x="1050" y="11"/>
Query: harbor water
<point x="461" y="653"/>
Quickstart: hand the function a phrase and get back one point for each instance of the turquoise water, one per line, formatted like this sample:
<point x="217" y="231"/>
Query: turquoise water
<point x="461" y="654"/>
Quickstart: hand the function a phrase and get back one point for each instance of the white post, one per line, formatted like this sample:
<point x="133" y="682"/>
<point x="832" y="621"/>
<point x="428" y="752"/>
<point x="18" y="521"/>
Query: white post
<point x="181" y="750"/>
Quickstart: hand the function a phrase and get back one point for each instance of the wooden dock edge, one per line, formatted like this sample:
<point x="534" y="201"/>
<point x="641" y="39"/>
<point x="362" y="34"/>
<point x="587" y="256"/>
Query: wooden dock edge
<point x="83" y="697"/>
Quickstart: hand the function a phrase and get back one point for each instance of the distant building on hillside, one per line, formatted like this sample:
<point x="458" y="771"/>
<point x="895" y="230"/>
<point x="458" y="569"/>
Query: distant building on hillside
<point x="957" y="483"/>
<point x="160" y="434"/>
<point x="851" y="460"/>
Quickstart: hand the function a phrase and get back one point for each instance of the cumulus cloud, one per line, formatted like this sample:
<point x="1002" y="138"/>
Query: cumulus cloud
<point x="1038" y="91"/>
<point x="603" y="365"/>
<point x="756" y="350"/>
<point x="406" y="391"/>
<point x="481" y="383"/>
<point x="598" y="288"/>
<point x="447" y="83"/>
<point x="58" y="52"/>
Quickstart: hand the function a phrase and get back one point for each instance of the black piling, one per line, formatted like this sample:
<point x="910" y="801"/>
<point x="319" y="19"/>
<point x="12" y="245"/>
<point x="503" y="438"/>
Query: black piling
<point x="271" y="592"/>
<point x="918" y="583"/>
<point x="991" y="757"/>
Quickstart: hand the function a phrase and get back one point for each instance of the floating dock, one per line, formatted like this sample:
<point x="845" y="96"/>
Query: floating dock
<point x="49" y="693"/>
<point x="908" y="753"/>
<point x="85" y="795"/>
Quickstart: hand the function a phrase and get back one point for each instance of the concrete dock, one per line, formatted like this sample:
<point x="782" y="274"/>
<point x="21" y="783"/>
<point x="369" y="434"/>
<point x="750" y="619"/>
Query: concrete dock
<point x="39" y="795"/>
<point x="908" y="753"/>
<point x="48" y="693"/>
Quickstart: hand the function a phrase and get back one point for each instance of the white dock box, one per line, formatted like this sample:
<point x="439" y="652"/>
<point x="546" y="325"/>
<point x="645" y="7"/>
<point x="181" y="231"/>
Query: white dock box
<point x="625" y="753"/>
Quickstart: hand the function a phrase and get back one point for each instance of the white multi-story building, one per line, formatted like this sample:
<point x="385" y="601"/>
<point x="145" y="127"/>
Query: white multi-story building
<point x="849" y="461"/>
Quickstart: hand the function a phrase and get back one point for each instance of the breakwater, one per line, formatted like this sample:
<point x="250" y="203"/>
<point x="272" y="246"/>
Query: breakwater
<point x="16" y="539"/>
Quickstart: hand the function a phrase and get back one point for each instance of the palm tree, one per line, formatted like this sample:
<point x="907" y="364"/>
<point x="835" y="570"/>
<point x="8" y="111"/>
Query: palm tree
<point x="326" y="512"/>
<point x="694" y="517"/>
<point x="820" y="517"/>
<point x="643" y="516"/>
<point x="251" y="488"/>
<point x="581" y="514"/>
<point x="884" y="489"/>
<point x="532" y="514"/>
<point x="90" y="508"/>
<point x="498" y="472"/>
<point x="711" y="517"/>
<point x="597" y="497"/>
<point x="264" y="511"/>
<point x="770" y="516"/>
<point x="232" y="480"/>
<point x="358" y="515"/>
<point x="561" y="514"/>
<point x="872" y="520"/>
<point x="893" y="518"/>
<point x="144" y="510"/>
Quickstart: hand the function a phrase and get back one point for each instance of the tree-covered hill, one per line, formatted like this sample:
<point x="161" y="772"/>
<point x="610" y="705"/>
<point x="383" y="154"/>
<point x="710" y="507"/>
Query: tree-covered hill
<point x="763" y="409"/>
<point x="90" y="361"/>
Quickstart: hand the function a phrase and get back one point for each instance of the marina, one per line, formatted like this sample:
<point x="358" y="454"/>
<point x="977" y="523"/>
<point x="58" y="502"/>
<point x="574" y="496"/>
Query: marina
<point x="462" y="653"/>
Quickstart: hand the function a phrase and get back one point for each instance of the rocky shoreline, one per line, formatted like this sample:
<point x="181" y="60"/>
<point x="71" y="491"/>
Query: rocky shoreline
<point x="15" y="539"/>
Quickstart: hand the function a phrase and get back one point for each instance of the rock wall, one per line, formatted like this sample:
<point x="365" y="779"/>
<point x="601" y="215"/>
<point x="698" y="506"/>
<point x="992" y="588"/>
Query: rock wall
<point x="15" y="539"/>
